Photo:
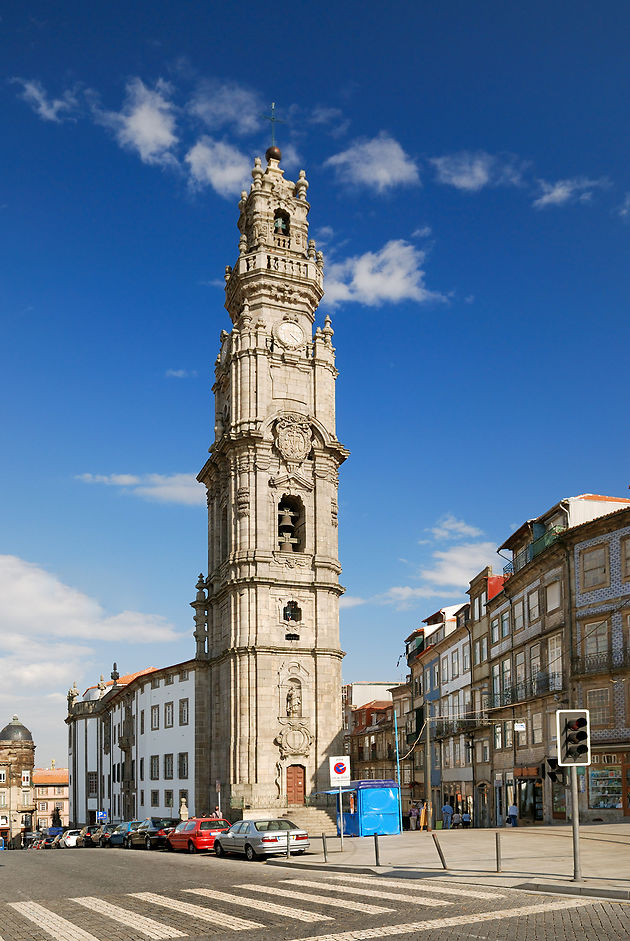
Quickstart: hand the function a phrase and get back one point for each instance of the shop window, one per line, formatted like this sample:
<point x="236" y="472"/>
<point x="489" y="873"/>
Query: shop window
<point x="605" y="787"/>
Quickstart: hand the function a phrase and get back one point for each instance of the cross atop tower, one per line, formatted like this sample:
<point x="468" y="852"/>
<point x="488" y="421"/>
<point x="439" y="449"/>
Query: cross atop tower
<point x="274" y="120"/>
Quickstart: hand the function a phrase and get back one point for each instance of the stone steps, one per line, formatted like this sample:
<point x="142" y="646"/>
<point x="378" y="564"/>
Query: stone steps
<point x="316" y="820"/>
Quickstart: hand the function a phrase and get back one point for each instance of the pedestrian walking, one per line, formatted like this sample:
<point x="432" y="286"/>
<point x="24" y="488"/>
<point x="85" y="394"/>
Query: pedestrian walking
<point x="414" y="813"/>
<point x="513" y="815"/>
<point x="456" y="819"/>
<point x="466" y="820"/>
<point x="447" y="816"/>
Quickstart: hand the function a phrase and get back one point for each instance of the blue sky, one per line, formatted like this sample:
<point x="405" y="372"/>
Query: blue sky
<point x="470" y="187"/>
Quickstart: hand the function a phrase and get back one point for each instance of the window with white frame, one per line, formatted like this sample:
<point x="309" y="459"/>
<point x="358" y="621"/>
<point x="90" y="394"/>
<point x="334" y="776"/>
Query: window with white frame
<point x="183" y="712"/>
<point x="154" y="763"/>
<point x="466" y="657"/>
<point x="508" y="734"/>
<point x="26" y="779"/>
<point x="484" y="648"/>
<point x="155" y="718"/>
<point x="427" y="680"/>
<point x="168" y="715"/>
<point x="182" y="765"/>
<point x="625" y="558"/>
<point x="3" y="798"/>
<point x="476" y="652"/>
<point x="155" y="798"/>
<point x="533" y="605"/>
<point x="92" y="783"/>
<point x="553" y="596"/>
<point x="168" y="679"/>
<point x="3" y="776"/>
<point x="594" y="567"/>
<point x="498" y="737"/>
<point x="455" y="664"/>
<point x="155" y="682"/>
<point x="436" y="675"/>
<point x="506" y="674"/>
<point x="505" y="624"/>
<point x="445" y="669"/>
<point x="168" y="767"/>
<point x="537" y="728"/>
<point x="183" y="676"/>
<point x="519" y="620"/>
<point x="494" y="630"/>
<point x="554" y="658"/>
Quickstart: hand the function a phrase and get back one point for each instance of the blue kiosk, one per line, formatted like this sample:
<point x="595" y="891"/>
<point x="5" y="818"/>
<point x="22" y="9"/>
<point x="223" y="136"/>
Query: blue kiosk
<point x="369" y="807"/>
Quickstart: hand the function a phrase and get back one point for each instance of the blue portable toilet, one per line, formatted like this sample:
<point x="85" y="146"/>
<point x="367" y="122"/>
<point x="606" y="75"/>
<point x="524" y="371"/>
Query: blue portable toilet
<point x="369" y="807"/>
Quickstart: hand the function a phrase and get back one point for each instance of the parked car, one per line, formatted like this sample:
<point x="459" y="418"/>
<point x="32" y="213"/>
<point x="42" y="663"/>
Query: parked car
<point x="85" y="835"/>
<point x="254" y="838"/>
<point x="152" y="832"/>
<point x="102" y="836"/>
<point x="120" y="836"/>
<point x="69" y="839"/>
<point x="47" y="842"/>
<point x="197" y="834"/>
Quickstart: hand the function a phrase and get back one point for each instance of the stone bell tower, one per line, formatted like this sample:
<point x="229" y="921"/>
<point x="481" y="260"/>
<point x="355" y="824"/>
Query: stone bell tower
<point x="267" y="616"/>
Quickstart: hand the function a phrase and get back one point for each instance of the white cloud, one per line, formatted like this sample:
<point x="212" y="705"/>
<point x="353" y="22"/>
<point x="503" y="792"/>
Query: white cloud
<point x="36" y="606"/>
<point x="219" y="165"/>
<point x="472" y="171"/>
<point x="390" y="275"/>
<point x="379" y="164"/>
<point x="624" y="209"/>
<point x="351" y="601"/>
<point x="49" y="109"/>
<point x="331" y="119"/>
<point x="146" y="123"/>
<point x="455" y="567"/>
<point x="181" y="373"/>
<point x="422" y="233"/>
<point x="158" y="488"/>
<point x="449" y="527"/>
<point x="576" y="189"/>
<point x="227" y="104"/>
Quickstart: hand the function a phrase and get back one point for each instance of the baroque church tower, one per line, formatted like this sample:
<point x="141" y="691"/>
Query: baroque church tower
<point x="267" y="616"/>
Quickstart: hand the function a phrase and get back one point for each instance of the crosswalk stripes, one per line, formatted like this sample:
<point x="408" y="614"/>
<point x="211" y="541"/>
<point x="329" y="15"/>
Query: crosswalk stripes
<point x="361" y="907"/>
<point x="424" y="885"/>
<point x="147" y="926"/>
<point x="435" y="924"/>
<point x="54" y="925"/>
<point x="272" y="907"/>
<point x="416" y="898"/>
<point x="221" y="919"/>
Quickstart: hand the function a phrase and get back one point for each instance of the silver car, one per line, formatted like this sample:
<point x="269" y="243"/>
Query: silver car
<point x="255" y="838"/>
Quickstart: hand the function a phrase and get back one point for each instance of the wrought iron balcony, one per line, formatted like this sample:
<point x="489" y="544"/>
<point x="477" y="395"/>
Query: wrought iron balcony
<point x="606" y="662"/>
<point x="526" y="555"/>
<point x="539" y="685"/>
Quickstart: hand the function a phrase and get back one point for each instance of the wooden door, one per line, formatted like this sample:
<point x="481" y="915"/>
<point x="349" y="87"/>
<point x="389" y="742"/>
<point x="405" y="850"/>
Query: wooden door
<point x="296" y="784"/>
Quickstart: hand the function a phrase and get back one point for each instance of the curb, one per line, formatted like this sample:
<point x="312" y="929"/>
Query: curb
<point x="592" y="891"/>
<point x="323" y="867"/>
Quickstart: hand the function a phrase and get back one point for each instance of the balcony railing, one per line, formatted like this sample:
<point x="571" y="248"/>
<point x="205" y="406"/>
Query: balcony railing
<point x="528" y="689"/>
<point x="525" y="556"/>
<point x="606" y="662"/>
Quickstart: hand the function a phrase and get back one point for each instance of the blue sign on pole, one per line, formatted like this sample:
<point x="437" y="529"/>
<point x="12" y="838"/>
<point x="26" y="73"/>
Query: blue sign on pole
<point x="101" y="815"/>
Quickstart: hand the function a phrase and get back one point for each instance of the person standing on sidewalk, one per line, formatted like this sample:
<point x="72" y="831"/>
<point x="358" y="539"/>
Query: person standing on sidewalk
<point x="512" y="815"/>
<point x="447" y="816"/>
<point x="414" y="813"/>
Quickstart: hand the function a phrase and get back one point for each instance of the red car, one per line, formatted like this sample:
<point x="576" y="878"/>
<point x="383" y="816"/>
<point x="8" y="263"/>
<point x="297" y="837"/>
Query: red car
<point x="197" y="834"/>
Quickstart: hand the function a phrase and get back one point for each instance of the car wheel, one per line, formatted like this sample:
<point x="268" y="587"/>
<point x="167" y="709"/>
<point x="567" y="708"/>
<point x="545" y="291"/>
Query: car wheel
<point x="218" y="849"/>
<point x="191" y="847"/>
<point x="250" y="854"/>
<point x="147" y="843"/>
<point x="169" y="846"/>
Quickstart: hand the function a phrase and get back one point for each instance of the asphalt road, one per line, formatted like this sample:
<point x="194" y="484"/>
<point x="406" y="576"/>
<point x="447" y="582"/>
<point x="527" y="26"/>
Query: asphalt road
<point x="119" y="895"/>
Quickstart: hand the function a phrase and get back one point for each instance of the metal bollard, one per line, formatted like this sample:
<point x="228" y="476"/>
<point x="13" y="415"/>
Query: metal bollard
<point x="325" y="847"/>
<point x="498" y="842"/>
<point x="376" y="850"/>
<point x="439" y="849"/>
<point x="288" y="844"/>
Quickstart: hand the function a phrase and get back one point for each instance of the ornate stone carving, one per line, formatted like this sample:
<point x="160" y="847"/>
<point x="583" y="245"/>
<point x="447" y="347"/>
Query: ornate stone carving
<point x="242" y="501"/>
<point x="294" y="739"/>
<point x="294" y="437"/>
<point x="293" y="560"/>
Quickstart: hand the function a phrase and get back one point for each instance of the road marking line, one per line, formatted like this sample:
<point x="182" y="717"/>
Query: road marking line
<point x="416" y="899"/>
<point x="324" y="899"/>
<point x="425" y="885"/>
<point x="54" y="925"/>
<point x="152" y="929"/>
<point x="261" y="906"/>
<point x="197" y="911"/>
<point x="436" y="923"/>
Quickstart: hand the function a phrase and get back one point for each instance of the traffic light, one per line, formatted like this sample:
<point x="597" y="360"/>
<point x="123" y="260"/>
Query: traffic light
<point x="551" y="769"/>
<point x="574" y="737"/>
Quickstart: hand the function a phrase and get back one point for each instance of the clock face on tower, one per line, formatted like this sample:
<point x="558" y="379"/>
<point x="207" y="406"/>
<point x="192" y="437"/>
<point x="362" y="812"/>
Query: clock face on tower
<point x="289" y="334"/>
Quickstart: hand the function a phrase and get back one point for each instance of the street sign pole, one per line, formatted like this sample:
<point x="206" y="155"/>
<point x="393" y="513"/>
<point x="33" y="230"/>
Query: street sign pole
<point x="340" y="775"/>
<point x="340" y="820"/>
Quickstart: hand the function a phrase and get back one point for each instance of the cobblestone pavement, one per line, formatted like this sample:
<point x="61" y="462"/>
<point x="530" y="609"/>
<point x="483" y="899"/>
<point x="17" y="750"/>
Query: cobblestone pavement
<point x="117" y="895"/>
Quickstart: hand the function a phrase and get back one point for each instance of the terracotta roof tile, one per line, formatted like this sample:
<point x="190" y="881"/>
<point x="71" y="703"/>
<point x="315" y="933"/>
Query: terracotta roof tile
<point x="43" y="776"/>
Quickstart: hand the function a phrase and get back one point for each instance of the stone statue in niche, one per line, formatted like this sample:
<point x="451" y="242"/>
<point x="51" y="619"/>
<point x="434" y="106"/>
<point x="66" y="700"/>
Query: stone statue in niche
<point x="294" y="701"/>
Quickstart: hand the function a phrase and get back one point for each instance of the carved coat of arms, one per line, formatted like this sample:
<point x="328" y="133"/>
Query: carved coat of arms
<point x="293" y="438"/>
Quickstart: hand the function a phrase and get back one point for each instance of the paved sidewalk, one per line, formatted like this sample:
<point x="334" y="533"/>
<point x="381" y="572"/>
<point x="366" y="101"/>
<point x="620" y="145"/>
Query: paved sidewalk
<point x="539" y="858"/>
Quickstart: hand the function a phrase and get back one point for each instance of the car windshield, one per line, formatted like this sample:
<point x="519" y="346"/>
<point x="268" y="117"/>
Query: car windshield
<point x="121" y="828"/>
<point x="275" y="825"/>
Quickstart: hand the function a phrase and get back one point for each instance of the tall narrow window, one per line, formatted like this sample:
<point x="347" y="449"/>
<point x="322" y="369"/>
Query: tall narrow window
<point x="291" y="525"/>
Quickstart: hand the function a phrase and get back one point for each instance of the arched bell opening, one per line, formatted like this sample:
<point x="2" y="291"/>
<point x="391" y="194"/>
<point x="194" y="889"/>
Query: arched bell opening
<point x="291" y="524"/>
<point x="281" y="222"/>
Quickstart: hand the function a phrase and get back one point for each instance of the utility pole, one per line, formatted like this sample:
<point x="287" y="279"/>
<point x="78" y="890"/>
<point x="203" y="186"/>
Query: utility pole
<point x="427" y="761"/>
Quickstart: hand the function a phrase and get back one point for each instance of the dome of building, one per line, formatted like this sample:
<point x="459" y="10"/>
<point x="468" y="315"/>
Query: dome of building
<point x="15" y="732"/>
